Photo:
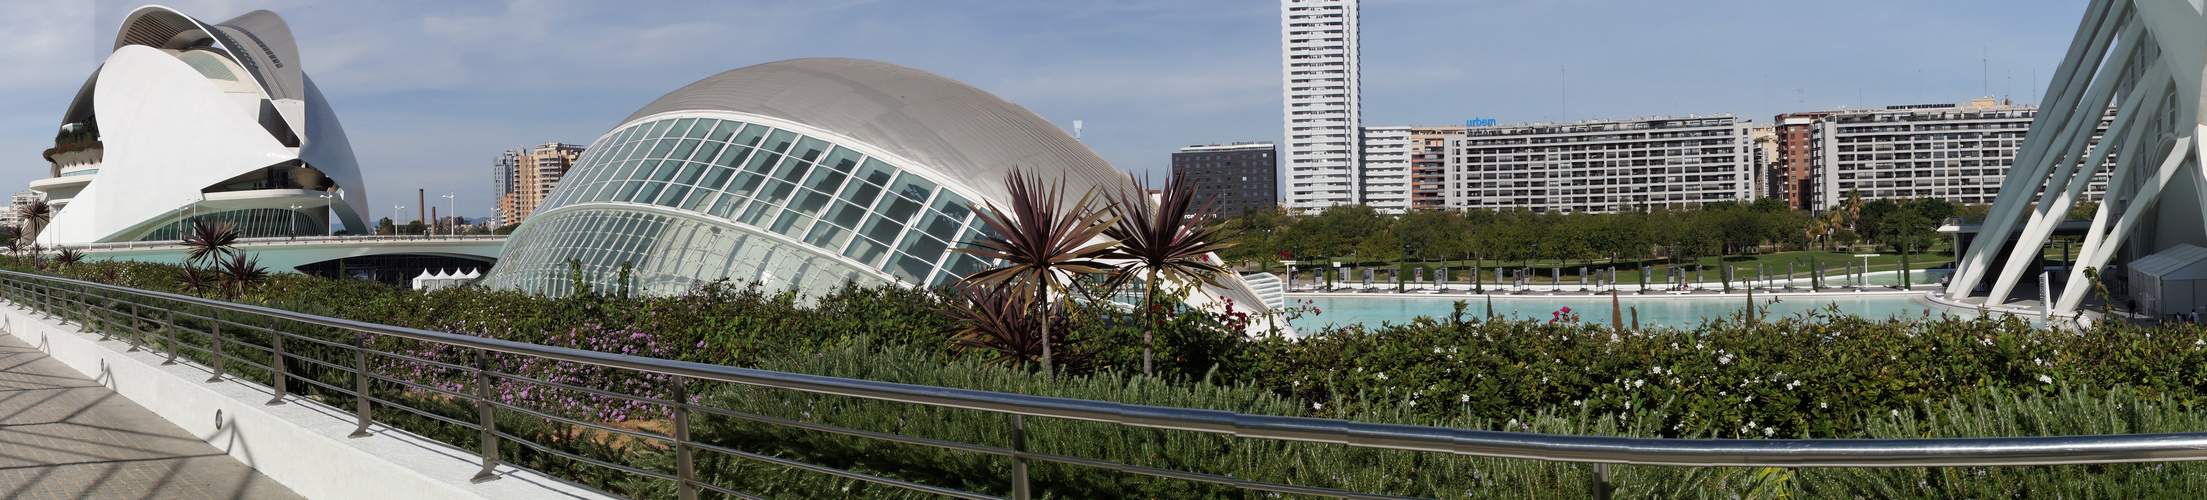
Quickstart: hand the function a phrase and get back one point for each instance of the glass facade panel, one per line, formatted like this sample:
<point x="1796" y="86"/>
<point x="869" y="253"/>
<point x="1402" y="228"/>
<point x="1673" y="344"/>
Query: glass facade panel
<point x="776" y="182"/>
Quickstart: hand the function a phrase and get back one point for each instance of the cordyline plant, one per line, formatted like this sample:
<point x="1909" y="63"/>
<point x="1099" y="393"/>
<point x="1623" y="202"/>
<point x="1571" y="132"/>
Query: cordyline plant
<point x="241" y="271"/>
<point x="209" y="241"/>
<point x="1043" y="241"/>
<point x="1171" y="239"/>
<point x="34" y="215"/>
<point x="1000" y="320"/>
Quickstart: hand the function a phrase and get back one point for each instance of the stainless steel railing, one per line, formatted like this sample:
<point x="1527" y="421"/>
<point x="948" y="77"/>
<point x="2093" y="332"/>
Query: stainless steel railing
<point x="95" y="307"/>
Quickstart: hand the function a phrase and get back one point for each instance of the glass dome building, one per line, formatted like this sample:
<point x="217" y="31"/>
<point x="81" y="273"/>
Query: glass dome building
<point x="802" y="174"/>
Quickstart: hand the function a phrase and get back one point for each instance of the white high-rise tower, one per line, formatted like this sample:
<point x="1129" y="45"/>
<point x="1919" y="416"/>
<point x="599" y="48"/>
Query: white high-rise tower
<point x="1318" y="63"/>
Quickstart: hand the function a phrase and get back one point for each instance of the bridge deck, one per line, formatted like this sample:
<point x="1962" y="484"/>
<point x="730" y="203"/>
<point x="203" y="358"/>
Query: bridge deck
<point x="65" y="436"/>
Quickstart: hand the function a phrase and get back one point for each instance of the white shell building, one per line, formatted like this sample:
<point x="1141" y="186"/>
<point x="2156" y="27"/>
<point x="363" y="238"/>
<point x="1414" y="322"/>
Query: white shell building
<point x="194" y="119"/>
<point x="802" y="174"/>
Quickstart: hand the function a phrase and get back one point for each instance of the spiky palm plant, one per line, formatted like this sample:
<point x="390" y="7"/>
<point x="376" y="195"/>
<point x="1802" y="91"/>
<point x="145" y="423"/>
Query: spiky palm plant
<point x="240" y="272"/>
<point x="1170" y="239"/>
<point x="194" y="280"/>
<point x="34" y="215"/>
<point x="1000" y="321"/>
<point x="1043" y="241"/>
<point x="68" y="256"/>
<point x="209" y="241"/>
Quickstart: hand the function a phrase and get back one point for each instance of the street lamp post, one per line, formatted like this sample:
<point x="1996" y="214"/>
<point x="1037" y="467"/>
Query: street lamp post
<point x="294" y="226"/>
<point x="395" y="211"/>
<point x="327" y="211"/>
<point x="450" y="206"/>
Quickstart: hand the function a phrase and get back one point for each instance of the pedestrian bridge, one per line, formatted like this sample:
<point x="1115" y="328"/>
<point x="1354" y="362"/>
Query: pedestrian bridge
<point x="390" y="259"/>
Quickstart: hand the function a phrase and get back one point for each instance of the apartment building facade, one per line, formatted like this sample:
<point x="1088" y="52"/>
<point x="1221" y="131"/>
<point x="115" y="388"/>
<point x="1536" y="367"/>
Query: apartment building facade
<point x="1601" y="166"/>
<point x="522" y="177"/>
<point x="1240" y="176"/>
<point x="1959" y="153"/>
<point x="1794" y="181"/>
<point x="1321" y="108"/>
<point x="1429" y="166"/>
<point x="1383" y="171"/>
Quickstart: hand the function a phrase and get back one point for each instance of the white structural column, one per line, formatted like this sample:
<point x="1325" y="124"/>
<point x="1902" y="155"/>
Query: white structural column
<point x="2154" y="68"/>
<point x="2067" y="87"/>
<point x="1320" y="103"/>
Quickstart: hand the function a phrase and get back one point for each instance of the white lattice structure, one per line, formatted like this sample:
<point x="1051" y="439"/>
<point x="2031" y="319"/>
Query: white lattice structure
<point x="2149" y="57"/>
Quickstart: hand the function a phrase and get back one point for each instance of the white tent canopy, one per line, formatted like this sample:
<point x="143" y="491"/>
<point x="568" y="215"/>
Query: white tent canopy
<point x="2172" y="281"/>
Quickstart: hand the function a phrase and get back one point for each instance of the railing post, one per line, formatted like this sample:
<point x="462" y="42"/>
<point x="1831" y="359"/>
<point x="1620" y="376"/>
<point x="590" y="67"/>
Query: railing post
<point x="214" y="331"/>
<point x="134" y="333"/>
<point x="168" y="327"/>
<point x="361" y="404"/>
<point x="486" y="418"/>
<point x="1599" y="481"/>
<point x="685" y="485"/>
<point x="1019" y="464"/>
<point x="276" y="360"/>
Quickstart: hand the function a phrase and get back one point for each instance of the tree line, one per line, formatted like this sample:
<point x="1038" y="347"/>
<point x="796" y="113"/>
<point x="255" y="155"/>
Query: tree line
<point x="1358" y="233"/>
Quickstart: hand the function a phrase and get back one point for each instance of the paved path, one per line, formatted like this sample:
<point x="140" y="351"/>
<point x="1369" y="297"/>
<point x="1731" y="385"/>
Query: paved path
<point x="64" y="436"/>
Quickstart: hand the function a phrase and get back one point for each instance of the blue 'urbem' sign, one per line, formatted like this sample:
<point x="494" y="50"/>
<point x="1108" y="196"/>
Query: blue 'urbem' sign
<point x="1479" y="122"/>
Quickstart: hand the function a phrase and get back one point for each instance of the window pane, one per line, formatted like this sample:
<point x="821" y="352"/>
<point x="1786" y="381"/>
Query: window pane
<point x="725" y="130"/>
<point x="911" y="270"/>
<point x="778" y="192"/>
<point x="606" y="192"/>
<point x="649" y="192"/>
<point x="758" y="213"/>
<point x="941" y="227"/>
<point x="842" y="160"/>
<point x="809" y="149"/>
<point x="877" y="172"/>
<point x="750" y="135"/>
<point x="866" y="252"/>
<point x="846" y="215"/>
<point x="689" y="173"/>
<point x="746" y="183"/>
<point x="827" y="236"/>
<point x="792" y="170"/>
<point x="791" y="224"/>
<point x="706" y="152"/>
<point x="912" y="186"/>
<point x="861" y="193"/>
<point x="679" y="126"/>
<point x="735" y="155"/>
<point x="657" y="128"/>
<point x="703" y="125"/>
<point x="673" y="196"/>
<point x="922" y="246"/>
<point x="641" y="149"/>
<point x="717" y="177"/>
<point x="683" y="149"/>
<point x="896" y="207"/>
<point x="810" y="201"/>
<point x="699" y="200"/>
<point x="882" y="229"/>
<point x="726" y="205"/>
<point x="824" y="180"/>
<point x="666" y="170"/>
<point x="762" y="163"/>
<point x="779" y="141"/>
<point x="952" y="205"/>
<point x="661" y="149"/>
<point x="628" y="191"/>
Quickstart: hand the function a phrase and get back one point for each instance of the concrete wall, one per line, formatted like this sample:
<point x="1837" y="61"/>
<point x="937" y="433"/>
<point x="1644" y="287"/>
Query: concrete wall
<point x="300" y="443"/>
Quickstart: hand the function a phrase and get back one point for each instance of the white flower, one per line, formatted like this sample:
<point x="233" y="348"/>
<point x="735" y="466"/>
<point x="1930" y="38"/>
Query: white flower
<point x="2045" y="379"/>
<point x="1896" y="413"/>
<point x="1639" y="382"/>
<point x="1725" y="359"/>
<point x="1316" y="406"/>
<point x="1750" y="399"/>
<point x="1821" y="405"/>
<point x="1465" y="398"/>
<point x="1768" y="431"/>
<point x="1383" y="375"/>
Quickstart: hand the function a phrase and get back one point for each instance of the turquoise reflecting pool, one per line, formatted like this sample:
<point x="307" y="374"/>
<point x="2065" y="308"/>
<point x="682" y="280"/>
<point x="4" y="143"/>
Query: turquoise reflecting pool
<point x="1371" y="311"/>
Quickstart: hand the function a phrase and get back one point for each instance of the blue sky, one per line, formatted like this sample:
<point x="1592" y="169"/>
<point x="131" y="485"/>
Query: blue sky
<point x="430" y="91"/>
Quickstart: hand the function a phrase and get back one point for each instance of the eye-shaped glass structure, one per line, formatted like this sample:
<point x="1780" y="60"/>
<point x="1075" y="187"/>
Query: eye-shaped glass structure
<point x="803" y="174"/>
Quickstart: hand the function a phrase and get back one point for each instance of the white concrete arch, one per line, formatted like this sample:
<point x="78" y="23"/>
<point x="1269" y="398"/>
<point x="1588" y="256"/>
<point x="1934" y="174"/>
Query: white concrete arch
<point x="2147" y="58"/>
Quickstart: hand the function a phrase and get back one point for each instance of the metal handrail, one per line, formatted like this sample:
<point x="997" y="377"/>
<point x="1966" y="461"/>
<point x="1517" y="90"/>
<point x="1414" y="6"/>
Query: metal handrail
<point x="48" y="295"/>
<point x="282" y="240"/>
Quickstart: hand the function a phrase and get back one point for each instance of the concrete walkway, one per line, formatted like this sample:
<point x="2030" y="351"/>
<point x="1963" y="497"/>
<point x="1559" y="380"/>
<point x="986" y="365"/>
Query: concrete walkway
<point x="64" y="436"/>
